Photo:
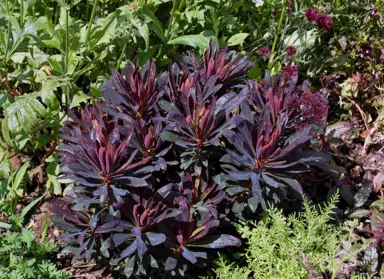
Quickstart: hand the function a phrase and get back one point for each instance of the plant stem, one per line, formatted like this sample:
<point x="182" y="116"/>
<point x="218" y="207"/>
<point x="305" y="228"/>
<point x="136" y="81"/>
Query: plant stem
<point x="122" y="54"/>
<point x="87" y="10"/>
<point x="276" y="36"/>
<point x="91" y="21"/>
<point x="8" y="33"/>
<point x="181" y="4"/>
<point x="21" y="13"/>
<point x="8" y="40"/>
<point x="55" y="16"/>
<point x="66" y="40"/>
<point x="170" y="22"/>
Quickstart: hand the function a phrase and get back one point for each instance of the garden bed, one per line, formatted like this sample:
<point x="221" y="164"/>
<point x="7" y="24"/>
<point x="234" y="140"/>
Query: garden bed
<point x="191" y="139"/>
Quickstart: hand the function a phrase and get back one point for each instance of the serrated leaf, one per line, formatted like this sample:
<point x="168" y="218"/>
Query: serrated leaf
<point x="26" y="112"/>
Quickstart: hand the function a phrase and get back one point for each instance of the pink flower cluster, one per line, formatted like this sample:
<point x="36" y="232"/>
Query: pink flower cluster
<point x="265" y="51"/>
<point x="314" y="109"/>
<point x="323" y="21"/>
<point x="291" y="50"/>
<point x="290" y="71"/>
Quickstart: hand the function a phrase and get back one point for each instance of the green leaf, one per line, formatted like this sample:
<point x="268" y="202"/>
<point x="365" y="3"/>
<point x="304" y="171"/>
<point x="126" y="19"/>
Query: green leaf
<point x="301" y="40"/>
<point x="30" y="206"/>
<point x="199" y="15"/>
<point x="237" y="39"/>
<point x="20" y="175"/>
<point x="27" y="236"/>
<point x="5" y="226"/>
<point x="5" y="167"/>
<point x="156" y="24"/>
<point x="378" y="204"/>
<point x="198" y="41"/>
<point x="56" y="65"/>
<point x="3" y="188"/>
<point x="62" y="3"/>
<point x="143" y="31"/>
<point x="255" y="72"/>
<point x="104" y="31"/>
<point x="45" y="229"/>
<point x="53" y="170"/>
<point x="79" y="98"/>
<point x="360" y="213"/>
<point x="26" y="113"/>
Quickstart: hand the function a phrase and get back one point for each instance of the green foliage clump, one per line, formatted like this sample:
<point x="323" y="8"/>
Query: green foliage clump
<point x="299" y="246"/>
<point x="21" y="257"/>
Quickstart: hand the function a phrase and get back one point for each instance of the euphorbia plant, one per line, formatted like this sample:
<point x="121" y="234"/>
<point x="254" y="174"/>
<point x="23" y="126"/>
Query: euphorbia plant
<point x="96" y="154"/>
<point x="149" y="189"/>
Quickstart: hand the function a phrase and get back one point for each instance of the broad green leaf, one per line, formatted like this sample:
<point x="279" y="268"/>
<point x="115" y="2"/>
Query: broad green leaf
<point x="104" y="31"/>
<point x="301" y="40"/>
<point x="56" y="65"/>
<point x="255" y="72"/>
<point x="237" y="39"/>
<point x="35" y="59"/>
<point x="5" y="99"/>
<point x="142" y="29"/>
<point x="198" y="41"/>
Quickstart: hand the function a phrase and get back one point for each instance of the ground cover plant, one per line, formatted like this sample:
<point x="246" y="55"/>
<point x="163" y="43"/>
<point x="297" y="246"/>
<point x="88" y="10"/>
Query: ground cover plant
<point x="22" y="257"/>
<point x="302" y="245"/>
<point x="143" y="136"/>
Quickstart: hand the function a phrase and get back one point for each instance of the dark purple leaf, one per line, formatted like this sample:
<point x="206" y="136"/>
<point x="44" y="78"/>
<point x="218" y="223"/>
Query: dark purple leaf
<point x="155" y="238"/>
<point x="170" y="263"/>
<point x="129" y="250"/>
<point x="119" y="238"/>
<point x="141" y="247"/>
<point x="188" y="255"/>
